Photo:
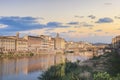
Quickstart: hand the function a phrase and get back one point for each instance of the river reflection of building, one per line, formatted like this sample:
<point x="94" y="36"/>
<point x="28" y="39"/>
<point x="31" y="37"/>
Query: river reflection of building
<point x="32" y="64"/>
<point x="13" y="66"/>
<point x="41" y="62"/>
<point x="27" y="65"/>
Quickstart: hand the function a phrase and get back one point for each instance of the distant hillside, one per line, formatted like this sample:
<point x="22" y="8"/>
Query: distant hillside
<point x="97" y="44"/>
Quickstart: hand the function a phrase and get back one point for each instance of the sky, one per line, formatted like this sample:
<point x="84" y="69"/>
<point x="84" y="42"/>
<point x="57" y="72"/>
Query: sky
<point x="75" y="20"/>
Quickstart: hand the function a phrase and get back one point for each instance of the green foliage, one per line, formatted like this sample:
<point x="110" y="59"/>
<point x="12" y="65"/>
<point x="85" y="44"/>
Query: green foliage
<point x="102" y="76"/>
<point x="110" y="62"/>
<point x="69" y="52"/>
<point x="31" y="54"/>
<point x="96" y="57"/>
<point x="16" y="55"/>
<point x="67" y="71"/>
<point x="105" y="76"/>
<point x="117" y="77"/>
<point x="114" y="64"/>
<point x="55" y="72"/>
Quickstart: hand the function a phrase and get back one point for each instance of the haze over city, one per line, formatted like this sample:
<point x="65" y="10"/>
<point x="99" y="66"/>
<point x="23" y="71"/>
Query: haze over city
<point x="75" y="20"/>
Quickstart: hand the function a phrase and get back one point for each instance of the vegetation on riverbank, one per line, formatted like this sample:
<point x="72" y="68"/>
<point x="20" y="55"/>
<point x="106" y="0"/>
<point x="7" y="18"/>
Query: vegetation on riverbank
<point x="105" y="76"/>
<point x="67" y="71"/>
<point x="17" y="55"/>
<point x="104" y="67"/>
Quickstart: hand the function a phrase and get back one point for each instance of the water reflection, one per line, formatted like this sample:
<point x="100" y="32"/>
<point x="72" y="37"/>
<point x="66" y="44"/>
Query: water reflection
<point x="30" y="68"/>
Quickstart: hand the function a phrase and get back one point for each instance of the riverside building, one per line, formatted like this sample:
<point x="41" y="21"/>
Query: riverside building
<point x="7" y="44"/>
<point x="40" y="44"/>
<point x="13" y="44"/>
<point x="59" y="43"/>
<point x="116" y="42"/>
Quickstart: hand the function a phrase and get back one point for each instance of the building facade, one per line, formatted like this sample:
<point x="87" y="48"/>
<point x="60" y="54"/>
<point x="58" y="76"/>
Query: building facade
<point x="59" y="43"/>
<point x="21" y="45"/>
<point x="34" y="43"/>
<point x="7" y="44"/>
<point x="116" y="42"/>
<point x="47" y="43"/>
<point x="39" y="44"/>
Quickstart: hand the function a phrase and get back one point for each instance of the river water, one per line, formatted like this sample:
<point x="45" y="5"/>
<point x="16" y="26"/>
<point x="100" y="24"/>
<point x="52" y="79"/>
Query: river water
<point x="31" y="68"/>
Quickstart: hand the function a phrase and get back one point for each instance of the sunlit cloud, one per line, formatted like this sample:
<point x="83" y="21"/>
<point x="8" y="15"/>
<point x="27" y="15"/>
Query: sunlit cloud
<point x="71" y="31"/>
<point x="118" y="29"/>
<point x="99" y="30"/>
<point x="117" y="17"/>
<point x="106" y="32"/>
<point x="85" y="24"/>
<point x="49" y="29"/>
<point x="97" y="39"/>
<point x="90" y="28"/>
<point x="108" y="3"/>
<point x="79" y="16"/>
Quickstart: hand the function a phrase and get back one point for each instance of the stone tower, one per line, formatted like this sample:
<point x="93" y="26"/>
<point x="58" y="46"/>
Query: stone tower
<point x="57" y="35"/>
<point x="17" y="35"/>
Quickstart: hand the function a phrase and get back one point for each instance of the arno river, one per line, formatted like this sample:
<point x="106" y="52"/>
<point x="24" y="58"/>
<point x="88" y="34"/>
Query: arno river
<point x="32" y="67"/>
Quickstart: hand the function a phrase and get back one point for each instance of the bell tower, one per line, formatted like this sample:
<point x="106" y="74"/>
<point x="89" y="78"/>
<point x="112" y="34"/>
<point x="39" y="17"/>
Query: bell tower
<point x="57" y="35"/>
<point x="17" y="35"/>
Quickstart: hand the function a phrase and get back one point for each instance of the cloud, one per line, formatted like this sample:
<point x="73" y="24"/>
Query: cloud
<point x="118" y="29"/>
<point x="77" y="26"/>
<point x="106" y="32"/>
<point x="88" y="25"/>
<point x="107" y="3"/>
<point x="105" y="20"/>
<point x="99" y="30"/>
<point x="117" y="17"/>
<point x="64" y="32"/>
<point x="81" y="32"/>
<point x="97" y="39"/>
<point x="54" y="24"/>
<point x="19" y="23"/>
<point x="84" y="24"/>
<point x="79" y="16"/>
<point x="41" y="18"/>
<point x="91" y="16"/>
<point x="73" y="23"/>
<point x="3" y="26"/>
<point x="49" y="29"/>
<point x="50" y="33"/>
<point x="90" y="28"/>
<point x="71" y="31"/>
<point x="16" y="24"/>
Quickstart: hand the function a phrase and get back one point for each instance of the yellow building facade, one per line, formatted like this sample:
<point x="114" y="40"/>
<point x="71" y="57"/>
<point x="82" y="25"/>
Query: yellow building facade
<point x="7" y="44"/>
<point x="116" y="42"/>
<point x="21" y="45"/>
<point x="59" y="43"/>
